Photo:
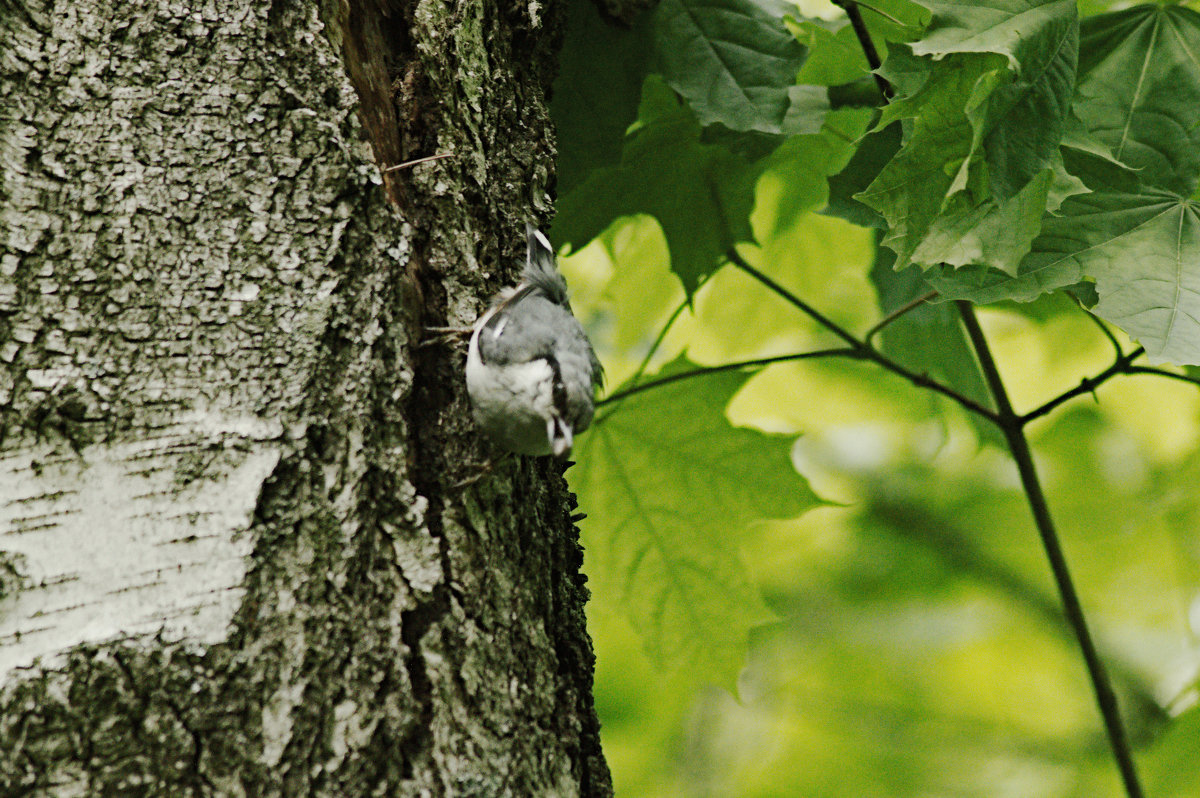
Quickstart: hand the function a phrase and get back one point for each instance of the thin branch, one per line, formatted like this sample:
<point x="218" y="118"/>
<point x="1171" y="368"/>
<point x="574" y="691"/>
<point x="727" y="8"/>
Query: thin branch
<point x="1175" y="375"/>
<point x="736" y="259"/>
<point x="1089" y="384"/>
<point x="744" y="364"/>
<point x="867" y="45"/>
<point x="897" y="313"/>
<point x="1013" y="427"/>
<point x="865" y="350"/>
<point x="1014" y="432"/>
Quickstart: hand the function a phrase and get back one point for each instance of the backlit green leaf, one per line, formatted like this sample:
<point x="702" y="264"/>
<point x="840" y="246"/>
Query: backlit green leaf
<point x="678" y="484"/>
<point x="834" y="54"/>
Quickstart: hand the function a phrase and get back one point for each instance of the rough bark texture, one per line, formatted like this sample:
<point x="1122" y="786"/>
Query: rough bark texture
<point x="234" y="559"/>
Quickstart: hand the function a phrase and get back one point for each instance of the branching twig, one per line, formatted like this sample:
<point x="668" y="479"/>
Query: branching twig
<point x="1013" y="428"/>
<point x="736" y="259"/>
<point x="1089" y="384"/>
<point x="865" y="350"/>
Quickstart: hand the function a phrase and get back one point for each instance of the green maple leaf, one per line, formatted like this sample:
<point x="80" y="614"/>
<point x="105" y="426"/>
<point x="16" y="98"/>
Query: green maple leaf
<point x="669" y="485"/>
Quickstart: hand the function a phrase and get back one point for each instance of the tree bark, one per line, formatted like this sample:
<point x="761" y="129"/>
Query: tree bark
<point x="236" y="557"/>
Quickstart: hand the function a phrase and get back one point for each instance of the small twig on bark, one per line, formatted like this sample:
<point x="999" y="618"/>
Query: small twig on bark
<point x="416" y="161"/>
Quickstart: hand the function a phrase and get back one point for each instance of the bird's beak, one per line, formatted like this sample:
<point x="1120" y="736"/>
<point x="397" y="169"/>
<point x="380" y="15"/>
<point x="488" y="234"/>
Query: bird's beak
<point x="561" y="439"/>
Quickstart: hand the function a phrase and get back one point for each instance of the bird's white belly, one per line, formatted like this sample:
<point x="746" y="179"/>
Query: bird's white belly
<point x="512" y="403"/>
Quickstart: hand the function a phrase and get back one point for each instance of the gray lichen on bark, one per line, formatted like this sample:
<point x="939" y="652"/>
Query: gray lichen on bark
<point x="208" y="375"/>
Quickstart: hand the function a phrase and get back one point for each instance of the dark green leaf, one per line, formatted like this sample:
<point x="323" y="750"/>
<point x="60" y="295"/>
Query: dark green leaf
<point x="1139" y="88"/>
<point x="1040" y="39"/>
<point x="973" y="177"/>
<point x="905" y="72"/>
<point x="1050" y="264"/>
<point x="1141" y="247"/>
<point x="935" y="161"/>
<point x="997" y="233"/>
<point x="1136" y="237"/>
<point x="597" y="91"/>
<point x="701" y="195"/>
<point x="732" y="60"/>
<point x="807" y="108"/>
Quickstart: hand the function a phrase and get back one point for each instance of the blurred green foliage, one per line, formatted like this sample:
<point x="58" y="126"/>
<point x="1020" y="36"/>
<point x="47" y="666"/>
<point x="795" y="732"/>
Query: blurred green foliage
<point x="902" y="637"/>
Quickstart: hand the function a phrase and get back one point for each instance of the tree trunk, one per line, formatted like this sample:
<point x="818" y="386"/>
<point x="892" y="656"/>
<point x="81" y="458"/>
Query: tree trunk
<point x="237" y="558"/>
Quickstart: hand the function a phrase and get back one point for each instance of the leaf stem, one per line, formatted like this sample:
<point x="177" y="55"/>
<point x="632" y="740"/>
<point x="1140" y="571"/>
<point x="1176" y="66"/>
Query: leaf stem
<point x="1013" y="427"/>
<point x="662" y="334"/>
<point x="897" y="313"/>
<point x="896" y="20"/>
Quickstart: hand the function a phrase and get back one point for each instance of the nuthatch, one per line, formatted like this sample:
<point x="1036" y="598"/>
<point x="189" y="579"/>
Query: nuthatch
<point x="531" y="371"/>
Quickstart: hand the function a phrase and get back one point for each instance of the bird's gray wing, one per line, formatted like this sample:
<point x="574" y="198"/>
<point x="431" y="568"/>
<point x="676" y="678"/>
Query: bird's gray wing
<point x="526" y="327"/>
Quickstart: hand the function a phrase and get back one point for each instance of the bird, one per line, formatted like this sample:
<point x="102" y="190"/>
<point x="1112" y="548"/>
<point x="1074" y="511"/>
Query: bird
<point x="532" y="373"/>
